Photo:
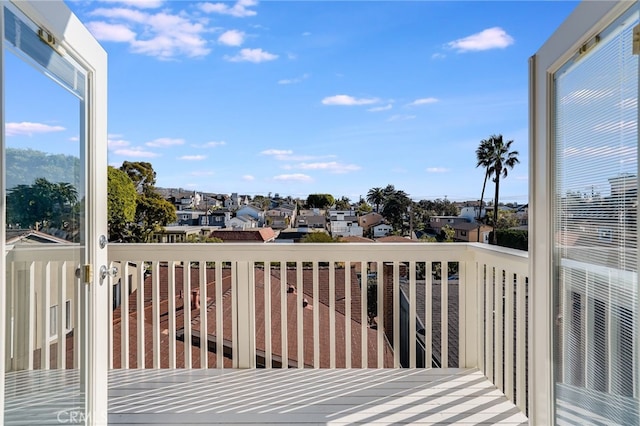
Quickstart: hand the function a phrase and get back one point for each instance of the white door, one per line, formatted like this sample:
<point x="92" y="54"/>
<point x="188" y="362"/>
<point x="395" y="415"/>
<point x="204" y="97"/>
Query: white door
<point x="584" y="192"/>
<point x="53" y="301"/>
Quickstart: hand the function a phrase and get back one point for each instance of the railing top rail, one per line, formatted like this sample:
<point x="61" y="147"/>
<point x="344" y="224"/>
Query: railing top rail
<point x="355" y="252"/>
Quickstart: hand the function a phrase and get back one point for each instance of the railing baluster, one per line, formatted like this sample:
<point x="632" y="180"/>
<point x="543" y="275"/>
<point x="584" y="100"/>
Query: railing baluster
<point x="219" y="320"/>
<point x="316" y="317"/>
<point x="509" y="337"/>
<point x="300" y="314"/>
<point x="332" y="315"/>
<point x="124" y="316"/>
<point x="284" y="307"/>
<point x="140" y="315"/>
<point x="267" y="315"/>
<point x="155" y="312"/>
<point x="428" y="314"/>
<point x="498" y="326"/>
<point x="45" y="302"/>
<point x="78" y="325"/>
<point x="481" y="309"/>
<point x="489" y="323"/>
<point x="364" y="288"/>
<point x="204" y="329"/>
<point x="465" y="307"/>
<point x="380" y="279"/>
<point x="62" y="324"/>
<point x="186" y="310"/>
<point x="413" y="300"/>
<point x="234" y="313"/>
<point x="521" y="364"/>
<point x="444" y="311"/>
<point x="110" y="309"/>
<point x="396" y="314"/>
<point x="171" y="294"/>
<point x="347" y="310"/>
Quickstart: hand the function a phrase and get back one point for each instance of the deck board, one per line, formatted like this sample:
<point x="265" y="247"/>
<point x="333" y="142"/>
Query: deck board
<point x="302" y="397"/>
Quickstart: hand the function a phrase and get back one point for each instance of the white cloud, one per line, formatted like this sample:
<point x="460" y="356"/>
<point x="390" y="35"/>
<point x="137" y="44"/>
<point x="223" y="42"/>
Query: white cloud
<point x="213" y="144"/>
<point x="438" y="170"/>
<point x="141" y="4"/>
<point x="296" y="177"/>
<point x="491" y="38"/>
<point x="193" y="157"/>
<point x="306" y="33"/>
<point x="28" y="128"/>
<point x="277" y="152"/>
<point x="293" y="80"/>
<point x="401" y="117"/>
<point x="331" y="166"/>
<point x="136" y="152"/>
<point x="348" y="100"/>
<point x="104" y="31"/>
<point x="74" y="138"/>
<point x="232" y="38"/>
<point x="438" y="56"/>
<point x="252" y="55"/>
<point x="117" y="143"/>
<point x="380" y="108"/>
<point x="164" y="142"/>
<point x="161" y="35"/>
<point x="248" y="178"/>
<point x="239" y="10"/>
<point x="202" y="173"/>
<point x="423" y="101"/>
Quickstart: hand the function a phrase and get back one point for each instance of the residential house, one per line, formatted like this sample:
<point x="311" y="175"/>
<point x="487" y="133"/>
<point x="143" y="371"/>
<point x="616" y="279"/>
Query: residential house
<point x="382" y="230"/>
<point x="367" y="221"/>
<point x="253" y="212"/>
<point x="344" y="223"/>
<point x="281" y="217"/>
<point x="178" y="233"/>
<point x="241" y="222"/>
<point x="215" y="218"/>
<point x="188" y="218"/>
<point x="255" y="235"/>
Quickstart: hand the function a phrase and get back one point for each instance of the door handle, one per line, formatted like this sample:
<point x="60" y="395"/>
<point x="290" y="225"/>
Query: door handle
<point x="104" y="272"/>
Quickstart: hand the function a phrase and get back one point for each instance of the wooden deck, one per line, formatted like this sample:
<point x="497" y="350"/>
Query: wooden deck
<point x="309" y="396"/>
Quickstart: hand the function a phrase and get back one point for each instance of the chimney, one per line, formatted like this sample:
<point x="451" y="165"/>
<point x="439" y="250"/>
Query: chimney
<point x="195" y="299"/>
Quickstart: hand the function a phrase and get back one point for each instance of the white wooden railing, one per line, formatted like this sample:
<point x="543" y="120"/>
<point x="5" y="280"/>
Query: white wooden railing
<point x="220" y="305"/>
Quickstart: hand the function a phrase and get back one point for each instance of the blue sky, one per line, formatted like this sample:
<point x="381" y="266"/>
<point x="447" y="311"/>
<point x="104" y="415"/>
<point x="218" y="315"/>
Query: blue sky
<point x="298" y="97"/>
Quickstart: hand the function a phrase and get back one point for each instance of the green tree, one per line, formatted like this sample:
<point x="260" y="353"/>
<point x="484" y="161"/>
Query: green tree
<point x="483" y="156"/>
<point x="364" y="208"/>
<point x="321" y="201"/>
<point x="202" y="239"/>
<point x="152" y="211"/>
<point x="395" y="209"/>
<point x="497" y="158"/>
<point x="121" y="204"/>
<point x="43" y="204"/>
<point x="447" y="233"/>
<point x="376" y="196"/>
<point x="319" y="237"/>
<point x="344" y="203"/>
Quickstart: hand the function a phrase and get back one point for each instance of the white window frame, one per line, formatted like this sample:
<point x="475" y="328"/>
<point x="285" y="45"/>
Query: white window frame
<point x="586" y="21"/>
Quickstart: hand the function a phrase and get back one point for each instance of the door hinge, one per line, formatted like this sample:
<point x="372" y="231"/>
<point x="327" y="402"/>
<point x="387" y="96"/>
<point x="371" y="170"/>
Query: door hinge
<point x="636" y="40"/>
<point x="85" y="273"/>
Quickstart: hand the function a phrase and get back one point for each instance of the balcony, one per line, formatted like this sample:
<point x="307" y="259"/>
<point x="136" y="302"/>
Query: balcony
<point x="295" y="333"/>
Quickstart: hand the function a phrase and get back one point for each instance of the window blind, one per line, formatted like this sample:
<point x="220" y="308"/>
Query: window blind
<point x="595" y="229"/>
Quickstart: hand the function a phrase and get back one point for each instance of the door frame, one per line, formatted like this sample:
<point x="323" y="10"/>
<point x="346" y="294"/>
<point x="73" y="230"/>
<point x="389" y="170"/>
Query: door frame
<point x="586" y="21"/>
<point x="74" y="37"/>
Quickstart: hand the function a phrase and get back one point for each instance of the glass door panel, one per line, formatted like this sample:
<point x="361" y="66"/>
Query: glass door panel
<point x="595" y="228"/>
<point x="45" y="174"/>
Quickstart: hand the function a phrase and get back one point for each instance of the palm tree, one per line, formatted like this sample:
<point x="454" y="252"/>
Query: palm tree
<point x="495" y="156"/>
<point x="376" y="196"/>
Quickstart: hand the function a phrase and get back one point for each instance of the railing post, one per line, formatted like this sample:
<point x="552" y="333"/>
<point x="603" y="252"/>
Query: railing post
<point x="470" y="287"/>
<point x="245" y="303"/>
